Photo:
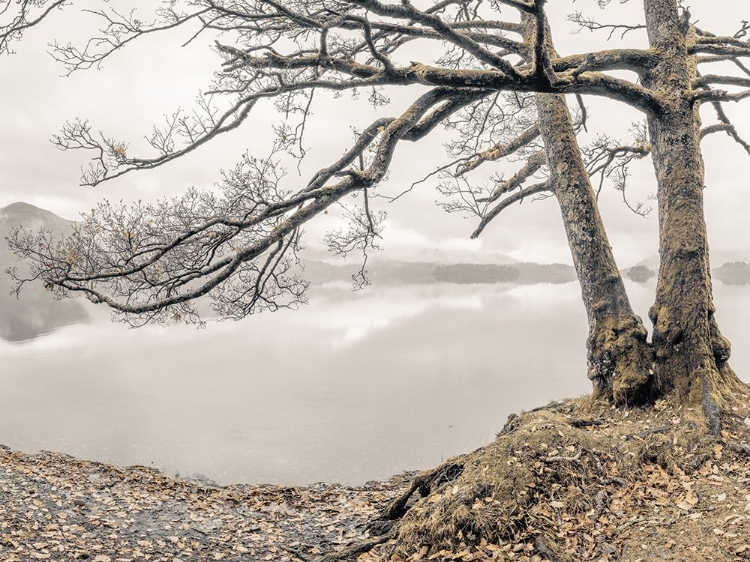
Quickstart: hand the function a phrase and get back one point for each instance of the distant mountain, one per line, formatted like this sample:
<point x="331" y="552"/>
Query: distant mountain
<point x="555" y="273"/>
<point x="35" y="312"/>
<point x="31" y="218"/>
<point x="476" y="273"/>
<point x="380" y="272"/>
<point x="418" y="255"/>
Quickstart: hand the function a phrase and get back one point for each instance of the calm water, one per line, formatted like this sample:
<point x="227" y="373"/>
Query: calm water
<point x="355" y="386"/>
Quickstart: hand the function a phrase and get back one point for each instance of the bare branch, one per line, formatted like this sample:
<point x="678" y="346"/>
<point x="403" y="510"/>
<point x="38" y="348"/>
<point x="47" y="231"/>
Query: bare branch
<point x="119" y="30"/>
<point x="156" y="260"/>
<point x="16" y="16"/>
<point x="592" y="25"/>
<point x="725" y="125"/>
<point x="609" y="160"/>
<point x="519" y="196"/>
<point x="711" y="79"/>
<point x="408" y="11"/>
<point x="286" y="50"/>
<point x="719" y="95"/>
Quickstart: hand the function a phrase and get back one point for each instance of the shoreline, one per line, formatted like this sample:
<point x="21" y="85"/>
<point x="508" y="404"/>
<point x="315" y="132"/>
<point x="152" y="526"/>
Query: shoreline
<point x="59" y="508"/>
<point x="573" y="480"/>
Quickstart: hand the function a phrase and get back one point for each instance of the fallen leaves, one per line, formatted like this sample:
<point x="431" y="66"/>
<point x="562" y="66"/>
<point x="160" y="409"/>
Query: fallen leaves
<point x="600" y="485"/>
<point x="639" y="484"/>
<point x="57" y="508"/>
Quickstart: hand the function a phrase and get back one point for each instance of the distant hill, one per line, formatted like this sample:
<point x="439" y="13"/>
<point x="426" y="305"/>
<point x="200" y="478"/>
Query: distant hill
<point x="36" y="312"/>
<point x="476" y="273"/>
<point x="314" y="251"/>
<point x="31" y="218"/>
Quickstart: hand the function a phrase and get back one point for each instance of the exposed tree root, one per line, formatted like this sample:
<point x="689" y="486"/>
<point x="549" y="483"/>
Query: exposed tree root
<point x="543" y="548"/>
<point x="585" y="422"/>
<point x="721" y="391"/>
<point x="352" y="551"/>
<point x="712" y="410"/>
<point x="572" y="481"/>
<point x="741" y="448"/>
<point x="380" y="531"/>
<point x="425" y="482"/>
<point x="620" y="360"/>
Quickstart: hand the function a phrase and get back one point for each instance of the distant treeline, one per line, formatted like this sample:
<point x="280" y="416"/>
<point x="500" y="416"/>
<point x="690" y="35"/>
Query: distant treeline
<point x="733" y="273"/>
<point x="730" y="273"/>
<point x="414" y="273"/>
<point x="640" y="273"/>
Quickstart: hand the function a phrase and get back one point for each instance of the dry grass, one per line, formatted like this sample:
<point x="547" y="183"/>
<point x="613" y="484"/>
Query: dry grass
<point x="579" y="480"/>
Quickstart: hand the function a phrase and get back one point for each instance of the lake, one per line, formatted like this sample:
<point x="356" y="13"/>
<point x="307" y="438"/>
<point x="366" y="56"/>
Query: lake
<point x="353" y="387"/>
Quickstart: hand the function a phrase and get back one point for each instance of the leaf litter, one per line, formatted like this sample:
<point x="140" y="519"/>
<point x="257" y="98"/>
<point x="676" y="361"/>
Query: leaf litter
<point x="575" y="480"/>
<point x="580" y="480"/>
<point x="58" y="508"/>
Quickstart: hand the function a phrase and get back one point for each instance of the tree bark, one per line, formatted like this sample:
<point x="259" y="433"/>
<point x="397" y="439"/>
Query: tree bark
<point x="691" y="354"/>
<point x="618" y="355"/>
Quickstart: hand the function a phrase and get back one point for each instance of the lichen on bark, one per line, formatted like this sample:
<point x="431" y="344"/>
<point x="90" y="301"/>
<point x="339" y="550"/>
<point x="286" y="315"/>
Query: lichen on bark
<point x="690" y="353"/>
<point x="618" y="354"/>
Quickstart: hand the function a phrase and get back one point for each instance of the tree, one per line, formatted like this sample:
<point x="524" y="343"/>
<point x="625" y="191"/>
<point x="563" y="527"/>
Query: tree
<point x="150" y="262"/>
<point x="16" y="16"/>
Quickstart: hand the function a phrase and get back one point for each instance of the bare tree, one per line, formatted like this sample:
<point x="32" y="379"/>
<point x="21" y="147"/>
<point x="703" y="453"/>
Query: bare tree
<point x="16" y="16"/>
<point x="149" y="262"/>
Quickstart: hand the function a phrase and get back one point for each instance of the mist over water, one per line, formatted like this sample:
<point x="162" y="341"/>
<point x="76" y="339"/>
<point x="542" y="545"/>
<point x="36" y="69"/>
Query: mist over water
<point x="355" y="386"/>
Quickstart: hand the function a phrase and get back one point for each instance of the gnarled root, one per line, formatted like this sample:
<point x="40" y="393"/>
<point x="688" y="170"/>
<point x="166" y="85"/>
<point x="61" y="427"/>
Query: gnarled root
<point x="558" y="476"/>
<point x="542" y="546"/>
<point x="718" y="391"/>
<point x="426" y="482"/>
<point x="352" y="551"/>
<point x="620" y="361"/>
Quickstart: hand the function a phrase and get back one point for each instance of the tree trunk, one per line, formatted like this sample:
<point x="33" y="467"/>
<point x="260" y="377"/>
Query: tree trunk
<point x="691" y="353"/>
<point x="619" y="357"/>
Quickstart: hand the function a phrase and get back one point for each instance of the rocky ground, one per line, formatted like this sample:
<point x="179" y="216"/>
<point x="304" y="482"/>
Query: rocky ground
<point x="576" y="480"/>
<point x="58" y="508"/>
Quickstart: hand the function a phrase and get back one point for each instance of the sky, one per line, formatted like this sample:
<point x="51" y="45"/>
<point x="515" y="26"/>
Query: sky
<point x="153" y="77"/>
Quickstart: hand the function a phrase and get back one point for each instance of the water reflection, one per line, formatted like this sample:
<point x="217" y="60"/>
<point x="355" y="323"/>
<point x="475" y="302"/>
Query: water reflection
<point x="353" y="387"/>
<point x="36" y="314"/>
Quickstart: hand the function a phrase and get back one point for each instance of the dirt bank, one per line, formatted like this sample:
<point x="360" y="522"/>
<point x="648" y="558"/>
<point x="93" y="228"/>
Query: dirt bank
<point x="576" y="480"/>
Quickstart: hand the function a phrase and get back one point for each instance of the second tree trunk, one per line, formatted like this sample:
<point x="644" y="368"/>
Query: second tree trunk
<point x="619" y="357"/>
